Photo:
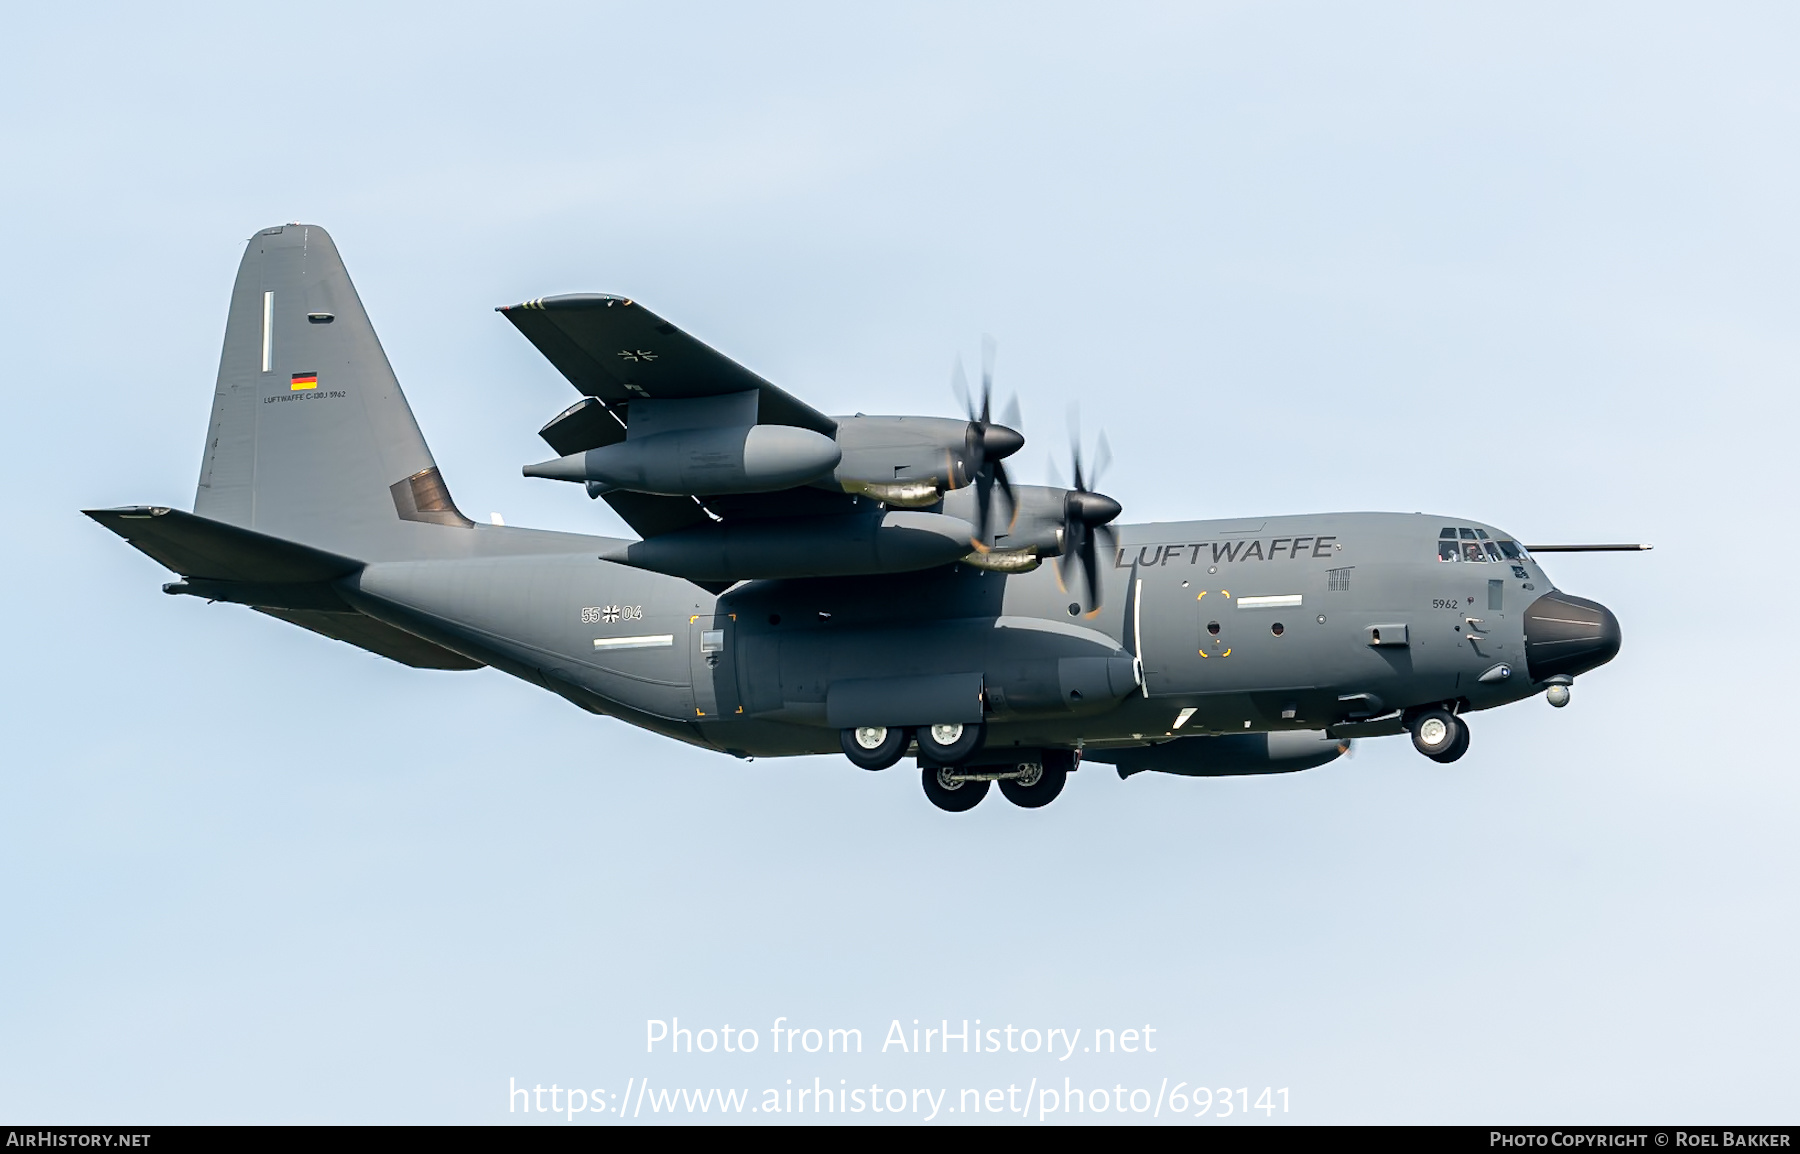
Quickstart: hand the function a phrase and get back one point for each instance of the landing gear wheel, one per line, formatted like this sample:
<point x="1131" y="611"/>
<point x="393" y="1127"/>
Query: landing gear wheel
<point x="1038" y="787"/>
<point x="1457" y="748"/>
<point x="955" y="796"/>
<point x="1434" y="732"/>
<point x="949" y="744"/>
<point x="873" y="746"/>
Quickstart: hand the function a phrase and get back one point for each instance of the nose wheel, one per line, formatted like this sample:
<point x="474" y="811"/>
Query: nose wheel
<point x="1440" y="735"/>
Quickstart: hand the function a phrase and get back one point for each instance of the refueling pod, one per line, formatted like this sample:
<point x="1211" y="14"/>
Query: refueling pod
<point x="700" y="462"/>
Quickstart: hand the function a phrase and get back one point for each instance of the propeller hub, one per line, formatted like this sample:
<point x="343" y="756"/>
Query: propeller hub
<point x="1093" y="508"/>
<point x="998" y="442"/>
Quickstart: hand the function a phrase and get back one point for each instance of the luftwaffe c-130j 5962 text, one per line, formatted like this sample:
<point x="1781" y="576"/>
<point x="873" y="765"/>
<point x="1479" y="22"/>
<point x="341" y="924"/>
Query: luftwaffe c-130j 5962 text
<point x="809" y="584"/>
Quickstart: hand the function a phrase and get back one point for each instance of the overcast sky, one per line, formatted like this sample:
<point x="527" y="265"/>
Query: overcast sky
<point x="1531" y="264"/>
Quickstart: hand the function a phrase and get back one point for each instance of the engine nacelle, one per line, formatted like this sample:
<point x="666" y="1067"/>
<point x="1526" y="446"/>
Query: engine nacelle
<point x="1229" y="755"/>
<point x="1034" y="523"/>
<point x="702" y="462"/>
<point x="904" y="461"/>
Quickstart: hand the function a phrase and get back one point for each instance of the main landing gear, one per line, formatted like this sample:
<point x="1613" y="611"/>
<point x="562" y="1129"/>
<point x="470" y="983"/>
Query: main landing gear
<point x="1439" y="734"/>
<point x="879" y="746"/>
<point x="1039" y="782"/>
<point x="949" y="744"/>
<point x="1027" y="784"/>
<point x="951" y="783"/>
<point x="874" y="746"/>
<point x="949" y="790"/>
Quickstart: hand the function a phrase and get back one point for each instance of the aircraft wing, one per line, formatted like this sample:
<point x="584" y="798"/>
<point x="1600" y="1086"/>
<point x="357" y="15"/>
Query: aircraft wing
<point x="615" y="349"/>
<point x="651" y="515"/>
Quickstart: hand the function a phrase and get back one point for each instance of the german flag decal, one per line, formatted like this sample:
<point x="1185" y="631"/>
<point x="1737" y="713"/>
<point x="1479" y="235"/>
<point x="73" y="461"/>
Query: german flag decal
<point x="303" y="381"/>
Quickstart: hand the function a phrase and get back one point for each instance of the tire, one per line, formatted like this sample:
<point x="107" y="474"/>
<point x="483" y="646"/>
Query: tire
<point x="1039" y="790"/>
<point x="1434" y="731"/>
<point x="887" y="745"/>
<point x="1457" y="748"/>
<point x="949" y="744"/>
<point x="954" y="796"/>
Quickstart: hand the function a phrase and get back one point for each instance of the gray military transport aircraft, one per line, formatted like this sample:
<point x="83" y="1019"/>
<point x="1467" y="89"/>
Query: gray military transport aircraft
<point x="809" y="584"/>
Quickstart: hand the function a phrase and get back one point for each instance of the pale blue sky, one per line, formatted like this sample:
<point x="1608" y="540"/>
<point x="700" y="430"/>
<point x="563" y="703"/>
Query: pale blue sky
<point x="1533" y="264"/>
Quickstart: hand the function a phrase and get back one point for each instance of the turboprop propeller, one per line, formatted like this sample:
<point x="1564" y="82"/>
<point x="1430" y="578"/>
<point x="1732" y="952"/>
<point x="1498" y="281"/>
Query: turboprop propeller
<point x="989" y="442"/>
<point x="1087" y="517"/>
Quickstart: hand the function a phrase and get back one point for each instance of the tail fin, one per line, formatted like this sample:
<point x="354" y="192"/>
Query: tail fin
<point x="311" y="439"/>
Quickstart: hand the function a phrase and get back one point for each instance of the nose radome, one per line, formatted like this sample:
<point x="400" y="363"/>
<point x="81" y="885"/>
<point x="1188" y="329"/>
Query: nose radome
<point x="1568" y="635"/>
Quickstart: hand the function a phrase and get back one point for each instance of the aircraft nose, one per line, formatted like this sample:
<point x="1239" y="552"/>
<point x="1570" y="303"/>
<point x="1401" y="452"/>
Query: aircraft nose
<point x="1568" y="635"/>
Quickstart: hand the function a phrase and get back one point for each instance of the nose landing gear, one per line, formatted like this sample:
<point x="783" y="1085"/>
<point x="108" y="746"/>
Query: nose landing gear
<point x="1439" y="735"/>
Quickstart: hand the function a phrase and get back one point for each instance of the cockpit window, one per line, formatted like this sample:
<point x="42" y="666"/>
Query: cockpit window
<point x="1461" y="543"/>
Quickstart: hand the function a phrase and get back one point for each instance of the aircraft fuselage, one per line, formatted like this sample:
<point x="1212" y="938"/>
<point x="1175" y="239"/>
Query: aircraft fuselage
<point x="1320" y="622"/>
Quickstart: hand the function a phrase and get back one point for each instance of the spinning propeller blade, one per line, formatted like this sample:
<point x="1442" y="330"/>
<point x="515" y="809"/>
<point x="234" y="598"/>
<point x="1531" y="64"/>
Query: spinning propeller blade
<point x="1087" y="516"/>
<point x="989" y="442"/>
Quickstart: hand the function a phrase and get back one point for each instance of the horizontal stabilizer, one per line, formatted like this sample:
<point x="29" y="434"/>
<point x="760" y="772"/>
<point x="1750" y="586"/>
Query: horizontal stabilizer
<point x="201" y="547"/>
<point x="280" y="578"/>
<point x="372" y="635"/>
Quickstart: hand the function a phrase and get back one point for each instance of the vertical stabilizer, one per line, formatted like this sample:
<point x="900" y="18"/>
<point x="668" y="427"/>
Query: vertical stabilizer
<point x="311" y="439"/>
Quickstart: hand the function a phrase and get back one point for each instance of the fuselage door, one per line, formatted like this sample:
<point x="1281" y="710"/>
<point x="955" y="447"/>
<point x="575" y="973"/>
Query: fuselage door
<point x="1163" y="632"/>
<point x="713" y="667"/>
<point x="1469" y="596"/>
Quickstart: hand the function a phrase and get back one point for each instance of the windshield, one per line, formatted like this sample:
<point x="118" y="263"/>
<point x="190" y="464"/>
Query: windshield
<point x="1461" y="543"/>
